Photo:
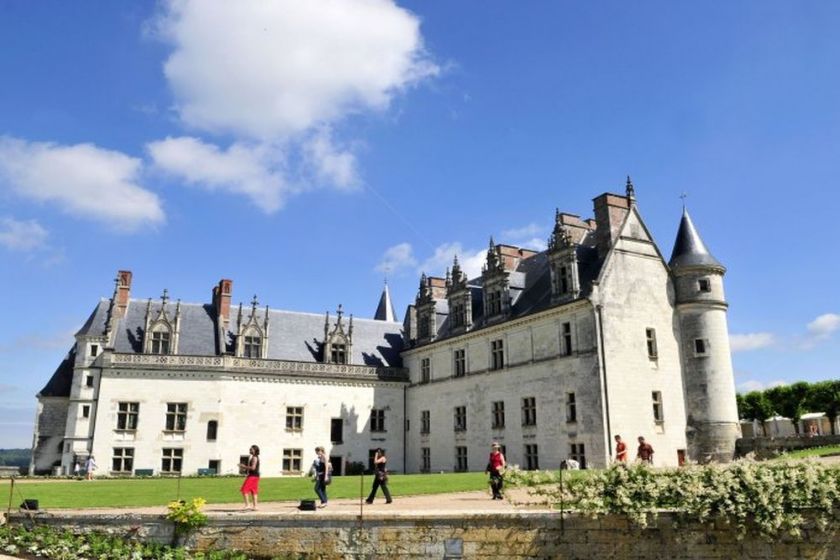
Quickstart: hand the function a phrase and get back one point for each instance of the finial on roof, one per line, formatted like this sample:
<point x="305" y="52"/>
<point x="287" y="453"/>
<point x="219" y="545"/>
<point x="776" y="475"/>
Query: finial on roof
<point x="683" y="196"/>
<point x="631" y="191"/>
<point x="254" y="304"/>
<point x="164" y="297"/>
<point x="339" y="312"/>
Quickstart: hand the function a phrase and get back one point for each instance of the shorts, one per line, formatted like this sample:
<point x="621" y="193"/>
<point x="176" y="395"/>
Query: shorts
<point x="251" y="485"/>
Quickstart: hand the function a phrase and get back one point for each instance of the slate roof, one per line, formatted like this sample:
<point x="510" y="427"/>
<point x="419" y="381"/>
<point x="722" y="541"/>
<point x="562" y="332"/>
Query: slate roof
<point x="689" y="249"/>
<point x="60" y="382"/>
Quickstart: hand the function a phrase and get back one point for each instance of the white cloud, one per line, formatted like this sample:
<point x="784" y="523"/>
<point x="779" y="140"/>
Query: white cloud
<point x="756" y="385"/>
<point x="397" y="258"/>
<point x="471" y="260"/>
<point x="254" y="171"/>
<point x="282" y="67"/>
<point x="530" y="230"/>
<point x="19" y="235"/>
<point x="82" y="180"/>
<point x="824" y="326"/>
<point x="750" y="341"/>
<point x="331" y="165"/>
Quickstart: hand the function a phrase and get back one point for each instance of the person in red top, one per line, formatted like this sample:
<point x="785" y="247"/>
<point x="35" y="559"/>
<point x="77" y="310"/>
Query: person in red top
<point x="645" y="452"/>
<point x="494" y="468"/>
<point x="620" y="450"/>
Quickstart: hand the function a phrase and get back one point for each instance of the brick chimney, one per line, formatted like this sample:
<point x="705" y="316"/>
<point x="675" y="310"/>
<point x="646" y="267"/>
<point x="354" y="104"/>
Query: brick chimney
<point x="610" y="211"/>
<point x="221" y="300"/>
<point x="123" y="292"/>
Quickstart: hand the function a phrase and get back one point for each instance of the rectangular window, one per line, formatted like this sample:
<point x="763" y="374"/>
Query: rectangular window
<point x="377" y="420"/>
<point x="571" y="408"/>
<point x="701" y="346"/>
<point x="252" y="347"/>
<point x="532" y="457"/>
<point x="127" y="414"/>
<point x="215" y="465"/>
<point x="658" y="416"/>
<point x="497" y="354"/>
<point x="294" y="418"/>
<point x="425" y="370"/>
<point x="498" y="415"/>
<point x="529" y="411"/>
<point x="563" y="280"/>
<point x="339" y="353"/>
<point x="425" y="421"/>
<point x="173" y="459"/>
<point x="123" y="460"/>
<point x="423" y="330"/>
<point x="494" y="303"/>
<point x="458" y="315"/>
<point x="426" y="457"/>
<point x="292" y="459"/>
<point x="336" y="430"/>
<point x="567" y="339"/>
<point x="176" y="417"/>
<point x="160" y="342"/>
<point x="704" y="285"/>
<point x="94" y="350"/>
<point x="89" y="380"/>
<point x="578" y="453"/>
<point x="212" y="430"/>
<point x="651" y="343"/>
<point x="85" y="411"/>
<point x="460" y="365"/>
<point x="461" y="464"/>
<point x="460" y="418"/>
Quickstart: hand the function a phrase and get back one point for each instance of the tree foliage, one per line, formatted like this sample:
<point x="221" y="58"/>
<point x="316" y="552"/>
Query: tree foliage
<point x="792" y="401"/>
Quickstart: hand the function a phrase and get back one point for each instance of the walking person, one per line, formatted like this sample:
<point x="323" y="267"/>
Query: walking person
<point x="645" y="451"/>
<point x="380" y="477"/>
<point x="77" y="469"/>
<point x="620" y="450"/>
<point x="90" y="466"/>
<point x="321" y="471"/>
<point x="495" y="464"/>
<point x="251" y="470"/>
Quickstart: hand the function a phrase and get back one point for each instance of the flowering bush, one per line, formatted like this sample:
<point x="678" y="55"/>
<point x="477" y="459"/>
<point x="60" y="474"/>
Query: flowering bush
<point x="769" y="496"/>
<point x="187" y="515"/>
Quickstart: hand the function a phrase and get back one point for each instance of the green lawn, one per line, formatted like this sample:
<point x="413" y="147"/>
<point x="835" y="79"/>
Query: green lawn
<point x="812" y="452"/>
<point x="160" y="491"/>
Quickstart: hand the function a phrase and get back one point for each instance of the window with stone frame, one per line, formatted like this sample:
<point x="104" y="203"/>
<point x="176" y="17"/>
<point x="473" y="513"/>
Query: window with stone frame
<point x="122" y="460"/>
<point x="704" y="285"/>
<point x="461" y="464"/>
<point x="656" y="400"/>
<point x="294" y="418"/>
<point x="460" y="362"/>
<point x="127" y="415"/>
<point x="578" y="453"/>
<point x="650" y="335"/>
<point x="94" y="350"/>
<point x="532" y="457"/>
<point x="425" y="370"/>
<point x="494" y="302"/>
<point x="423" y="324"/>
<point x="172" y="461"/>
<point x="459" y="315"/>
<point x="426" y="459"/>
<point x="460" y="418"/>
<point x="161" y="340"/>
<point x="425" y="422"/>
<point x="337" y="430"/>
<point x="564" y="284"/>
<point x="701" y="347"/>
<point x="85" y="411"/>
<point x="252" y="346"/>
<point x="497" y="354"/>
<point x="567" y="339"/>
<point x="88" y="380"/>
<point x="176" y="417"/>
<point x="212" y="430"/>
<point x="529" y="411"/>
<point x="571" y="408"/>
<point x="338" y="353"/>
<point x="377" y="420"/>
<point x="498" y="415"/>
<point x="292" y="460"/>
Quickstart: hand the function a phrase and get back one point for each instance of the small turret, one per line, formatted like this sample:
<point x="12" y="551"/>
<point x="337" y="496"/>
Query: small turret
<point x="385" y="309"/>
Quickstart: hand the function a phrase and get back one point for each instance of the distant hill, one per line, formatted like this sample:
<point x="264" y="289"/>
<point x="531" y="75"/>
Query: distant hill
<point x="15" y="457"/>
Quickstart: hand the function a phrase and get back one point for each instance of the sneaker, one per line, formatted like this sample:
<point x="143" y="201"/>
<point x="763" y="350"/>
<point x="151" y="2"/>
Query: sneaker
<point x="368" y="502"/>
<point x="388" y="501"/>
<point x="322" y="505"/>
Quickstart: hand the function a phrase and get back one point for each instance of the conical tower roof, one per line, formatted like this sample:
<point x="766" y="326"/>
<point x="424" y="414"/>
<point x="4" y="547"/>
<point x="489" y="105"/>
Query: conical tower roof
<point x="385" y="309"/>
<point x="689" y="249"/>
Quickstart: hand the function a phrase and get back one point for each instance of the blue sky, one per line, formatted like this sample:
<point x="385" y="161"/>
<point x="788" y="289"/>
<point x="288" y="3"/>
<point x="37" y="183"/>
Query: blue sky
<point x="302" y="149"/>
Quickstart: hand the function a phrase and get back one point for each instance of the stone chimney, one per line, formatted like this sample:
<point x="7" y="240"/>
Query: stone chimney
<point x="610" y="211"/>
<point x="123" y="292"/>
<point x="221" y="300"/>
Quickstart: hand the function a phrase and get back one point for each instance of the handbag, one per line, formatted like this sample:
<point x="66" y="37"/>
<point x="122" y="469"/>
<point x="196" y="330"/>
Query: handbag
<point x="382" y="476"/>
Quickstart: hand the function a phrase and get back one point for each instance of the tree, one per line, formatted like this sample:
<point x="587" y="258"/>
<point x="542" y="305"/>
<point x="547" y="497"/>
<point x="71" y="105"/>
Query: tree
<point x="758" y="407"/>
<point x="824" y="396"/>
<point x="789" y="401"/>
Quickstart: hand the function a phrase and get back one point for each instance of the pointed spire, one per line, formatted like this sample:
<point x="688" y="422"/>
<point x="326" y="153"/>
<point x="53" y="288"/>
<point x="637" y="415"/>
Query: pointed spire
<point x="631" y="191"/>
<point x="385" y="309"/>
<point x="689" y="249"/>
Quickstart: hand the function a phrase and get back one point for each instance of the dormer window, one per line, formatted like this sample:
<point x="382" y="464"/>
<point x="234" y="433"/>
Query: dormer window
<point x="252" y="347"/>
<point x="563" y="280"/>
<point x="161" y="340"/>
<point x="252" y="337"/>
<point x="459" y="317"/>
<point x="494" y="303"/>
<point x="339" y="354"/>
<point x="423" y="327"/>
<point x="338" y="340"/>
<point x="162" y="329"/>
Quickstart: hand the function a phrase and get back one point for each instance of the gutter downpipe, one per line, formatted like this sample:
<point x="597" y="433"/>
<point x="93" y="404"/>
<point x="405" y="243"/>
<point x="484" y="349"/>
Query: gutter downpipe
<point x="405" y="429"/>
<point x="599" y="309"/>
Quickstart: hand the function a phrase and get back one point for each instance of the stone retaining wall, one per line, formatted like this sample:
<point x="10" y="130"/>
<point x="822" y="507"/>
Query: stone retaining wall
<point x="515" y="535"/>
<point x="765" y="447"/>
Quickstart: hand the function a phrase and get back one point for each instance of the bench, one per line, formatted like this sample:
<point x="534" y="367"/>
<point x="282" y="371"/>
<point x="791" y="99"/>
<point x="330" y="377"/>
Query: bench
<point x="144" y="472"/>
<point x="206" y="472"/>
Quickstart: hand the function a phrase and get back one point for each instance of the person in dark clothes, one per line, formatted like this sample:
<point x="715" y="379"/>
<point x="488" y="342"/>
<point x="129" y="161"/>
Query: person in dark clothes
<point x="321" y="472"/>
<point x="380" y="477"/>
<point x="251" y="486"/>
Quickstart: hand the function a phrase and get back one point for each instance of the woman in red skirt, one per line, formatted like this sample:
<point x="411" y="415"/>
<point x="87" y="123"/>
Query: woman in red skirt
<point x="252" y="479"/>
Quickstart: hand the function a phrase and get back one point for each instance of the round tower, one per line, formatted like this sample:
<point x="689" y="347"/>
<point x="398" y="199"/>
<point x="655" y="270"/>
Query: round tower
<point x="711" y="413"/>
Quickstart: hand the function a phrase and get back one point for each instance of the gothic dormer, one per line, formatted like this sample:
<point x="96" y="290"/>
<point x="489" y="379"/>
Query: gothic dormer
<point x="425" y="306"/>
<point x="563" y="263"/>
<point x="162" y="330"/>
<point x="252" y="334"/>
<point x="495" y="283"/>
<point x="460" y="299"/>
<point x="338" y="341"/>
